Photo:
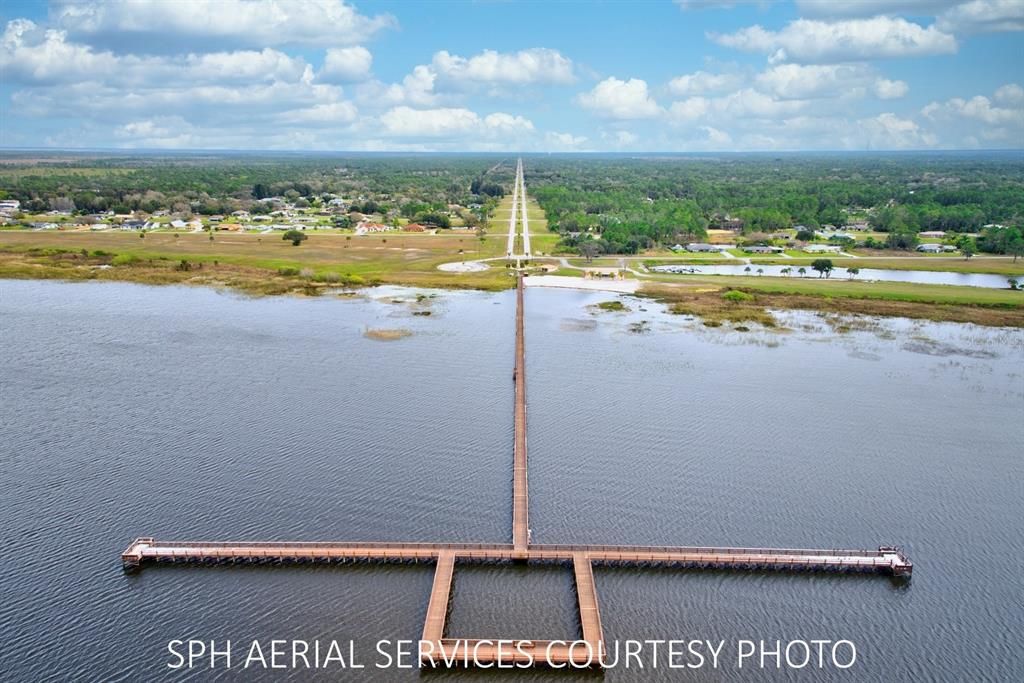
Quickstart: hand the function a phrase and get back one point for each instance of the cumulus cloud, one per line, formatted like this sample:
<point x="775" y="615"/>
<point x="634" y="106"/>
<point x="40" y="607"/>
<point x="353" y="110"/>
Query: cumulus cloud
<point x="978" y="108"/>
<point x="563" y="142"/>
<point x="888" y="131"/>
<point x="703" y="83"/>
<point x="536" y="65"/>
<point x="890" y="90"/>
<point x="796" y="81"/>
<point x="618" y="99"/>
<point x="346" y="65"/>
<point x="980" y="16"/>
<point x="1010" y="94"/>
<point x="161" y="25"/>
<point x="32" y="55"/>
<point x="448" y="122"/>
<point x="807" y="40"/>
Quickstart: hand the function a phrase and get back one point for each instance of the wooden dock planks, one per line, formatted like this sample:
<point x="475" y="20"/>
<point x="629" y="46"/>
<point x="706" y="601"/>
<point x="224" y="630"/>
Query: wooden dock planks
<point x="437" y="609"/>
<point x="520" y="494"/>
<point x="590" y="613"/>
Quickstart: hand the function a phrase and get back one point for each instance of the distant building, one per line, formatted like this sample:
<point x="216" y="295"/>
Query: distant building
<point x="700" y="247"/>
<point x="932" y="233"/>
<point x="823" y="249"/>
<point x="857" y="226"/>
<point x="414" y="227"/>
<point x="930" y="248"/>
<point x="762" y="249"/>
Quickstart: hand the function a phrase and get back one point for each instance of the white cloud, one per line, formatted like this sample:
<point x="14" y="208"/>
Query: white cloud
<point x="450" y="122"/>
<point x="30" y="54"/>
<point x="978" y="108"/>
<point x="536" y="65"/>
<point x="617" y="99"/>
<point x="717" y="137"/>
<point x="258" y="23"/>
<point x="807" y="40"/>
<point x="702" y="83"/>
<point x="1011" y="94"/>
<point x="890" y="90"/>
<point x="565" y="142"/>
<point x="888" y="131"/>
<point x="326" y="114"/>
<point x="795" y="81"/>
<point x="980" y="16"/>
<point x="346" y="65"/>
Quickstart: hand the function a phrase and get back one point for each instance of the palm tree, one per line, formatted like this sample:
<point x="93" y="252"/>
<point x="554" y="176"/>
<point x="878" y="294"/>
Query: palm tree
<point x="786" y="271"/>
<point x="853" y="272"/>
<point x="747" y="269"/>
<point x="802" y="271"/>
<point x="760" y="271"/>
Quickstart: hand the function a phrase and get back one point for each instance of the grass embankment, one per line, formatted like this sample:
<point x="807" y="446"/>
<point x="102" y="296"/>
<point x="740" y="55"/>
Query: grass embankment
<point x="252" y="263"/>
<point x="703" y="297"/>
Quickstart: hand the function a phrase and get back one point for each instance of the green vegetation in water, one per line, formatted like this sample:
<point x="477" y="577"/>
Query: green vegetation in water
<point x="612" y="306"/>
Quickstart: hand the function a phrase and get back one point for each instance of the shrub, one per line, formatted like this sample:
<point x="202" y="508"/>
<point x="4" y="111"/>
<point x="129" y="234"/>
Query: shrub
<point x="288" y="272"/>
<point x="307" y="273"/>
<point x="125" y="259"/>
<point x="736" y="296"/>
<point x="184" y="266"/>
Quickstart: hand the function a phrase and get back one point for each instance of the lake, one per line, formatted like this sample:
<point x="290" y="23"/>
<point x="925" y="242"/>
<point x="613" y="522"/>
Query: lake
<point x="931" y="277"/>
<point x="190" y="414"/>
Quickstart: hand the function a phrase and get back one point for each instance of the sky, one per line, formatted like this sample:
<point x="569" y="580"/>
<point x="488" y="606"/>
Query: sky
<point x="542" y="76"/>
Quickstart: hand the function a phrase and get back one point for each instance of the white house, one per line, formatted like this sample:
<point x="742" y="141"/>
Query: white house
<point x="823" y="249"/>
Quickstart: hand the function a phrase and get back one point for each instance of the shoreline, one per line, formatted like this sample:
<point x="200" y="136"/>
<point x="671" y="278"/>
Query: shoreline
<point x="268" y="268"/>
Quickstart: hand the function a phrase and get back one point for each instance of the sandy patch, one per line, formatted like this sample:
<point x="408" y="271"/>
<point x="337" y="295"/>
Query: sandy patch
<point x="463" y="267"/>
<point x="381" y="334"/>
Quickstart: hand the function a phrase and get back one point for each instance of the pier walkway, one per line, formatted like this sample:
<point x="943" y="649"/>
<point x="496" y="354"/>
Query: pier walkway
<point x="437" y="649"/>
<point x="520" y="489"/>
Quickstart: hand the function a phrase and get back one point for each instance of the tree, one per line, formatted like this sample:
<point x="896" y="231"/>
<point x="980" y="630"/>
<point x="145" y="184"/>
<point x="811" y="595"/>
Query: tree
<point x="853" y="272"/>
<point x="786" y="271"/>
<point x="1016" y="247"/>
<point x="294" y="236"/>
<point x="802" y="271"/>
<point x="967" y="247"/>
<point x="747" y="269"/>
<point x="823" y="266"/>
<point x="1013" y="282"/>
<point x="589" y="249"/>
<point x="760" y="271"/>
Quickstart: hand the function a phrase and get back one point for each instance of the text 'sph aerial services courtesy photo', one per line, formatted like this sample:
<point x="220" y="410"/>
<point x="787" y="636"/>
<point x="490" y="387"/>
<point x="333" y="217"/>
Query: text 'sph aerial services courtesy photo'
<point x="385" y="340"/>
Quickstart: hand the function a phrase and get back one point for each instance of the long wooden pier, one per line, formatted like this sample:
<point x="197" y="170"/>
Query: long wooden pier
<point x="885" y="560"/>
<point x="520" y="488"/>
<point x="436" y="649"/>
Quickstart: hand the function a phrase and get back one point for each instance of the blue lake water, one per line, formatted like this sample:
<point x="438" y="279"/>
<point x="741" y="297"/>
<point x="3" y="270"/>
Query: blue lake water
<point x="185" y="413"/>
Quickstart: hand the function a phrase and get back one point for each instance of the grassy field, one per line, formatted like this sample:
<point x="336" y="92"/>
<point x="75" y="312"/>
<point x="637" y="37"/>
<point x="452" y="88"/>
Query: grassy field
<point x="410" y="259"/>
<point x="998" y="307"/>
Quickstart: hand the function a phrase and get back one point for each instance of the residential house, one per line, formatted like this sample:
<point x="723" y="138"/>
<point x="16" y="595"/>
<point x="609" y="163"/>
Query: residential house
<point x="823" y="248"/>
<point x="932" y="233"/>
<point x="762" y="249"/>
<point x="699" y="247"/>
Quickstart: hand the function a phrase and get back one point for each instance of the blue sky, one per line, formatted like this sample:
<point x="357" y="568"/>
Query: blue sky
<point x="690" y="75"/>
